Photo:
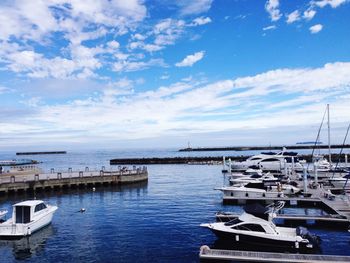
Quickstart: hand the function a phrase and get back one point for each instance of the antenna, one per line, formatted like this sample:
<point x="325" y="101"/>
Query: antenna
<point x="329" y="136"/>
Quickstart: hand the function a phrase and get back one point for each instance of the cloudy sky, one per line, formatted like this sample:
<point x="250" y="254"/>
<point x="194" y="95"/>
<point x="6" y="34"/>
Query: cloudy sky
<point x="115" y="73"/>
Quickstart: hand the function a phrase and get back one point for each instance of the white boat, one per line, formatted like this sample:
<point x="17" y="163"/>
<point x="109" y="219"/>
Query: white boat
<point x="340" y="182"/>
<point x="259" y="190"/>
<point x="271" y="161"/>
<point x="251" y="171"/>
<point x="255" y="227"/>
<point x="266" y="179"/>
<point x="27" y="217"/>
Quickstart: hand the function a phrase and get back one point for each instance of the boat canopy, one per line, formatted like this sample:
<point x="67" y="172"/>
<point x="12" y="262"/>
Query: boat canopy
<point x="257" y="210"/>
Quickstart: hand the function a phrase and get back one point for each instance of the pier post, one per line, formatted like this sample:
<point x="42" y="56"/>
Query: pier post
<point x="229" y="166"/>
<point x="346" y="160"/>
<point x="285" y="168"/>
<point x="293" y="165"/>
<point x="315" y="173"/>
<point x="305" y="179"/>
<point x="59" y="175"/>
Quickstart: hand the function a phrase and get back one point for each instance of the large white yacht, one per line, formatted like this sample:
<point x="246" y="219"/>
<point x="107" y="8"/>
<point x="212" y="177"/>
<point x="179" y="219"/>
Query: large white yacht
<point x="271" y="161"/>
<point x="255" y="227"/>
<point x="27" y="217"/>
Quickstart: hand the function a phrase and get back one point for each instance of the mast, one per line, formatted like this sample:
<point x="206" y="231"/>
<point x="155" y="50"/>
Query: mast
<point x="329" y="137"/>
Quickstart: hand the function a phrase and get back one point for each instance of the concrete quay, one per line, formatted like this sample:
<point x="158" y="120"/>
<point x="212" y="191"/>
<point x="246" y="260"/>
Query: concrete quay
<point x="70" y="179"/>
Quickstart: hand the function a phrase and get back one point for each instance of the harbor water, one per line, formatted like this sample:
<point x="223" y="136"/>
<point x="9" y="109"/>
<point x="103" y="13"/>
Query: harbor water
<point x="156" y="221"/>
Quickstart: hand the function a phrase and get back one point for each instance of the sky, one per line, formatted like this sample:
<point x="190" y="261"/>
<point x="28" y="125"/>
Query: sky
<point x="149" y="74"/>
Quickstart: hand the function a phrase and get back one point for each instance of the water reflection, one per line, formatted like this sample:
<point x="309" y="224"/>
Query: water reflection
<point x="26" y="247"/>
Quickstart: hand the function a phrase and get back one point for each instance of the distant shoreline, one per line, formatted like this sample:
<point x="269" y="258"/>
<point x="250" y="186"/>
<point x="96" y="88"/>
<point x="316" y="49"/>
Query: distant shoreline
<point x="259" y="148"/>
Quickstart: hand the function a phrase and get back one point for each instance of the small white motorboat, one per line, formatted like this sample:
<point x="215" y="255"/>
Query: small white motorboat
<point x="255" y="227"/>
<point x="27" y="217"/>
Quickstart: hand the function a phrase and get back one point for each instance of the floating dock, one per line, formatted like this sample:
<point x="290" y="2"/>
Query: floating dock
<point x="252" y="256"/>
<point x="70" y="179"/>
<point x="36" y="153"/>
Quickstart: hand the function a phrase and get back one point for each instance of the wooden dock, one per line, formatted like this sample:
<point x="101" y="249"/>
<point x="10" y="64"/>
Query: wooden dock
<point x="336" y="205"/>
<point x="70" y="179"/>
<point x="252" y="256"/>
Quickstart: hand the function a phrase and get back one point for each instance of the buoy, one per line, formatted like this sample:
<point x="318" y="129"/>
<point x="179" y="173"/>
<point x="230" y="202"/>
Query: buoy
<point x="93" y="189"/>
<point x="82" y="210"/>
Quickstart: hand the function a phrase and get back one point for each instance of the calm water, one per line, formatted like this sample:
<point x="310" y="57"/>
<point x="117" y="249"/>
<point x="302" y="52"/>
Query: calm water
<point x="153" y="222"/>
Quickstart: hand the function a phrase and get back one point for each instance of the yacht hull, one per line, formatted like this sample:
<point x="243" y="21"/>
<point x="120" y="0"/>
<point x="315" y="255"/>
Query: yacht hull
<point x="260" y="241"/>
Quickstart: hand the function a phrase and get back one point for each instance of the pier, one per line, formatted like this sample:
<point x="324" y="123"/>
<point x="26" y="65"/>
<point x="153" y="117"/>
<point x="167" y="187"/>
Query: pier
<point x="70" y="179"/>
<point x="253" y="256"/>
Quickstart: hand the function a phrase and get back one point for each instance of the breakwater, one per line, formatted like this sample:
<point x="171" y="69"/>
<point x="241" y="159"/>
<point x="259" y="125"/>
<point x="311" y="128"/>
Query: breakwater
<point x="199" y="160"/>
<point x="36" y="153"/>
<point x="262" y="148"/>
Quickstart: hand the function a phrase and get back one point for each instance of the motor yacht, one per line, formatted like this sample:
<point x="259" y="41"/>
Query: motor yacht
<point x="266" y="179"/>
<point x="255" y="227"/>
<point x="271" y="161"/>
<point x="259" y="190"/>
<point x="27" y="217"/>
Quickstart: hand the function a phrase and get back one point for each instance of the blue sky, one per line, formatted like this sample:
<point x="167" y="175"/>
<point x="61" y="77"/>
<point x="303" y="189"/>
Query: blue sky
<point x="101" y="74"/>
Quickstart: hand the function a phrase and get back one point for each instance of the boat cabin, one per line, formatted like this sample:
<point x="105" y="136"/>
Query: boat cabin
<point x="24" y="212"/>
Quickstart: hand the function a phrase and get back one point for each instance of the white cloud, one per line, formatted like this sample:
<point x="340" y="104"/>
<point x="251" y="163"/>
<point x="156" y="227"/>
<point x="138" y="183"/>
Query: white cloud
<point x="129" y="66"/>
<point x="271" y="7"/>
<point x="190" y="59"/>
<point x="309" y="14"/>
<point x="193" y="7"/>
<point x="269" y="28"/>
<point x="200" y="21"/>
<point x="316" y="28"/>
<point x="118" y="112"/>
<point x="293" y="17"/>
<point x="332" y="3"/>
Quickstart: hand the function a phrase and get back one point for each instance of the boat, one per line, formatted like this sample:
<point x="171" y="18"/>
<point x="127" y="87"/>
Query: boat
<point x="271" y="161"/>
<point x="266" y="179"/>
<point x="255" y="227"/>
<point x="259" y="190"/>
<point x="251" y="171"/>
<point x="27" y="217"/>
<point x="340" y="182"/>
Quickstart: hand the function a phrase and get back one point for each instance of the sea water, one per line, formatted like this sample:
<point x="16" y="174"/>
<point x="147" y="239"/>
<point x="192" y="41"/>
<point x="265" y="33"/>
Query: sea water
<point x="156" y="221"/>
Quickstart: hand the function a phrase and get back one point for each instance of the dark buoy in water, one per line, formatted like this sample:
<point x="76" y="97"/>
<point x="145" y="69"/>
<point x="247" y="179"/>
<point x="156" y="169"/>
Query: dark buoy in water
<point x="82" y="210"/>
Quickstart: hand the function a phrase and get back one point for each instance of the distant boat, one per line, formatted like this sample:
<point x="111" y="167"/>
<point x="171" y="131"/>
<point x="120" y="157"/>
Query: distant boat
<point x="27" y="217"/>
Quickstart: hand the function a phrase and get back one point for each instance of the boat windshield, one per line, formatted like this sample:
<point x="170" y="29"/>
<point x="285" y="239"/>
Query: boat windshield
<point x="233" y="222"/>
